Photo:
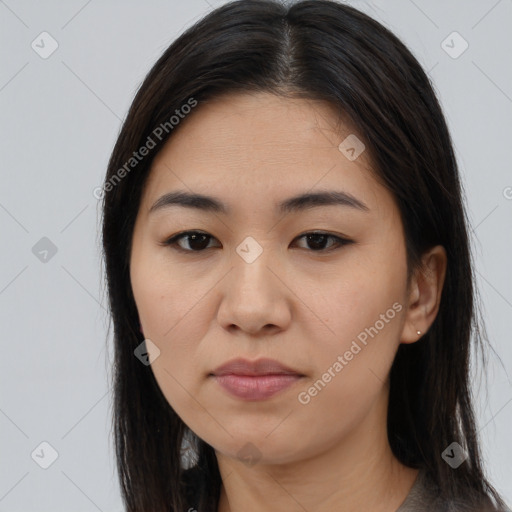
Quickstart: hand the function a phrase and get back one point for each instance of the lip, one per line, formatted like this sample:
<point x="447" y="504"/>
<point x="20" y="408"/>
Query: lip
<point x="259" y="387"/>
<point x="255" y="380"/>
<point x="259" y="367"/>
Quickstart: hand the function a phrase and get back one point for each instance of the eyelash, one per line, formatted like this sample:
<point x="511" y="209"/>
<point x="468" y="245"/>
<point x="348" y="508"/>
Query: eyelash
<point x="173" y="241"/>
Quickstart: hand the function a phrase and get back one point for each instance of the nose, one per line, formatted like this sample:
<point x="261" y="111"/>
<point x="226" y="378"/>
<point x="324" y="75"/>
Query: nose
<point x="255" y="298"/>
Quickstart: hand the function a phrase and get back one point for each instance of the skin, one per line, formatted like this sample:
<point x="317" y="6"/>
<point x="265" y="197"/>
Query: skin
<point x="294" y="304"/>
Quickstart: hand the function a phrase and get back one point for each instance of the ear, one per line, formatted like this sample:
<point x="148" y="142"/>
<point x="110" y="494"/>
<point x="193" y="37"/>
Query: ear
<point x="424" y="294"/>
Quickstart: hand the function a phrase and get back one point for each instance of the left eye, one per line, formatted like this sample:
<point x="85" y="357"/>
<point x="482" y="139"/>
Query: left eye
<point x="318" y="240"/>
<point x="198" y="241"/>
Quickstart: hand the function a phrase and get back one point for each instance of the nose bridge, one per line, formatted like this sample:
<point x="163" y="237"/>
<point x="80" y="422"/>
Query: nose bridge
<point x="251" y="263"/>
<point x="253" y="297"/>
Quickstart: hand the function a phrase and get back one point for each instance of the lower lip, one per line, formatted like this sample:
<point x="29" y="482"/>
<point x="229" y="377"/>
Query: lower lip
<point x="257" y="387"/>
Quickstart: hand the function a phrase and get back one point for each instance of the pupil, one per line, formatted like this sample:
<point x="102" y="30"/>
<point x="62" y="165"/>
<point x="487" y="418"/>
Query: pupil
<point x="194" y="238"/>
<point x="315" y="238"/>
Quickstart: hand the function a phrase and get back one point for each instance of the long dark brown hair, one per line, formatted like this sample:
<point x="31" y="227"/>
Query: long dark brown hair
<point x="327" y="51"/>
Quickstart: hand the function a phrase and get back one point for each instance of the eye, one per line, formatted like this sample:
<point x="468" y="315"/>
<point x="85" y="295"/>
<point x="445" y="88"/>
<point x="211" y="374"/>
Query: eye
<point x="317" y="240"/>
<point x="197" y="241"/>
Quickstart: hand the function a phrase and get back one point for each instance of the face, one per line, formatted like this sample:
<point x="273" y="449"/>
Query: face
<point x="320" y="286"/>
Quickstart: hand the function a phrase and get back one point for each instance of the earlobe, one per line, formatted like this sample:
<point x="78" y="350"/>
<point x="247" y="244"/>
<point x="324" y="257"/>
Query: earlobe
<point x="425" y="294"/>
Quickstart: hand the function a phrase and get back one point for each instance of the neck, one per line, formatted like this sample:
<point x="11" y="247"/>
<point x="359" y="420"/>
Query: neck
<point x="359" y="472"/>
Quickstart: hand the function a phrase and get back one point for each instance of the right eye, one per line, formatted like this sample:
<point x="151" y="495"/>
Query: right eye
<point x="196" y="240"/>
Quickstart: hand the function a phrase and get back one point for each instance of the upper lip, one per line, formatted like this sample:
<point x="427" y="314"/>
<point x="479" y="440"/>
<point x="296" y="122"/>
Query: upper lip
<point x="262" y="366"/>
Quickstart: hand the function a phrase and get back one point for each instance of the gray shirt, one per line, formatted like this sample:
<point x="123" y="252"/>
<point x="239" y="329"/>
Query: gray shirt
<point x="423" y="498"/>
<point x="420" y="497"/>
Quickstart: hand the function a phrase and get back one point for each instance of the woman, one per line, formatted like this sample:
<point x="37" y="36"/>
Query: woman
<point x="289" y="275"/>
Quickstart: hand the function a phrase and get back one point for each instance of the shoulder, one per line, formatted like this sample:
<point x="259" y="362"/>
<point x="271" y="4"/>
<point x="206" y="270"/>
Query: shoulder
<point x="424" y="497"/>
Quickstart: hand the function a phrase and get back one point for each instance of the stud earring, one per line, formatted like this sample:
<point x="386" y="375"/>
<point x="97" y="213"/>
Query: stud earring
<point x="418" y="333"/>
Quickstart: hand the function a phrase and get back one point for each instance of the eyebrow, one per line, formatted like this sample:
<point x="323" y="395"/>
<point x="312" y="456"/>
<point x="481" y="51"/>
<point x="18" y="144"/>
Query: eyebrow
<point x="293" y="204"/>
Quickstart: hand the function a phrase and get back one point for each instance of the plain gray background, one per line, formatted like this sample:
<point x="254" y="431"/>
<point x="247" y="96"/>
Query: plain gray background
<point x="60" y="116"/>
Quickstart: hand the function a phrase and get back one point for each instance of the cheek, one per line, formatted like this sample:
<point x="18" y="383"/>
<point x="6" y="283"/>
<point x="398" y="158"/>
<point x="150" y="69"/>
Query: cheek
<point x="177" y="328"/>
<point x="175" y="313"/>
<point x="351" y="365"/>
<point x="166" y="312"/>
<point x="364" y="309"/>
<point x="175" y="323"/>
<point x="365" y="325"/>
<point x="364" y="291"/>
<point x="164" y="296"/>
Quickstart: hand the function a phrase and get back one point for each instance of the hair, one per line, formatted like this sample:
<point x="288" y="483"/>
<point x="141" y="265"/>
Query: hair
<point x="325" y="51"/>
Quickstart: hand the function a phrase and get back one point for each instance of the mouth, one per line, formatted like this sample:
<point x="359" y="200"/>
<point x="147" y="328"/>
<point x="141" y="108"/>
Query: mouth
<point x="255" y="380"/>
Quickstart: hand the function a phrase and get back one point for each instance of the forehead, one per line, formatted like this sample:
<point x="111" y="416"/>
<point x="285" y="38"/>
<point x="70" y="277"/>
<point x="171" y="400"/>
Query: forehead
<point x="261" y="145"/>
